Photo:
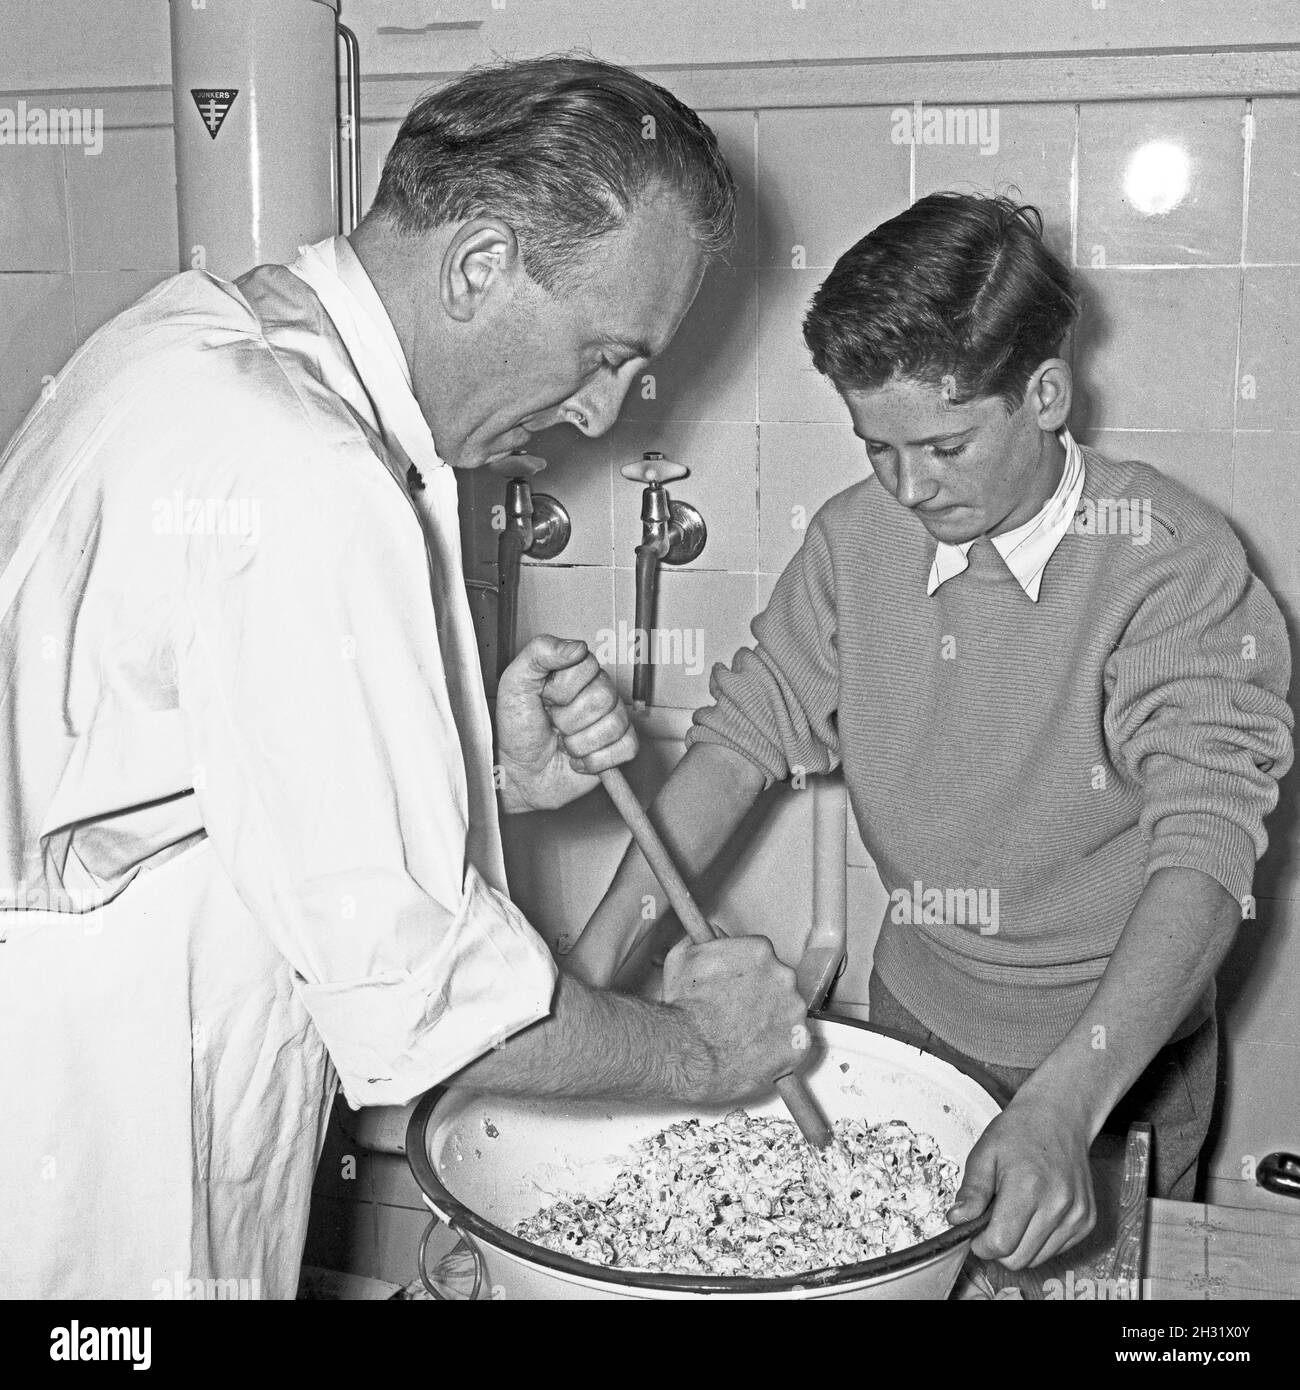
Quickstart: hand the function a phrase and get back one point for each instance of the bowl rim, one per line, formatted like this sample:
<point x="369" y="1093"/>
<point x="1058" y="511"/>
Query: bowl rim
<point x="465" y="1220"/>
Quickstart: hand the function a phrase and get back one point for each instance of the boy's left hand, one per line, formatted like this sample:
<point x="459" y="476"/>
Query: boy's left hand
<point x="1032" y="1164"/>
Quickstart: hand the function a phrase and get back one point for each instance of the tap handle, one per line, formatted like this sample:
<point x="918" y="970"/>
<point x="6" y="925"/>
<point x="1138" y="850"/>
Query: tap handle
<point x="519" y="464"/>
<point x="653" y="468"/>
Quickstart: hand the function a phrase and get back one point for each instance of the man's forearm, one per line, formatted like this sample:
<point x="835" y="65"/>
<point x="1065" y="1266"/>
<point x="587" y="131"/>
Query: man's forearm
<point x="1174" y="941"/>
<point x="697" y="811"/>
<point x="594" y="1044"/>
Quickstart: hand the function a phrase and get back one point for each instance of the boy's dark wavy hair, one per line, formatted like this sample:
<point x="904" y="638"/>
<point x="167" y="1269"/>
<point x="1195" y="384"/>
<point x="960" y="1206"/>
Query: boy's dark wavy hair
<point x="959" y="287"/>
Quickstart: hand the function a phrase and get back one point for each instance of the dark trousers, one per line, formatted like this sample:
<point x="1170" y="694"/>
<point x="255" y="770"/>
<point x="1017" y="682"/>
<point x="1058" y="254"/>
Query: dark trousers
<point x="1174" y="1095"/>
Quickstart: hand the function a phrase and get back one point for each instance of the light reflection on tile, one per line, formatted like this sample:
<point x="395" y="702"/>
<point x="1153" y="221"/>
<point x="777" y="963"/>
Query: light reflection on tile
<point x="1160" y="182"/>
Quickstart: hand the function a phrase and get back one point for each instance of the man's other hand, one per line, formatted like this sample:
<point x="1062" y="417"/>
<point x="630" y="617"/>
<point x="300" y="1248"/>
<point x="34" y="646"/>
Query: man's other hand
<point x="559" y="722"/>
<point x="744" y="1013"/>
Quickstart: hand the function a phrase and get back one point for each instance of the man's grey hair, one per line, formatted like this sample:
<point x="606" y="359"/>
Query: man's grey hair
<point x="562" y="149"/>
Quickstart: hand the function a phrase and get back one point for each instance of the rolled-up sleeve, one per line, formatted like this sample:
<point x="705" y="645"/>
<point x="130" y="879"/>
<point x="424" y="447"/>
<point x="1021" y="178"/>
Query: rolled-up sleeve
<point x="1196" y="711"/>
<point x="777" y="703"/>
<point x="330" y="775"/>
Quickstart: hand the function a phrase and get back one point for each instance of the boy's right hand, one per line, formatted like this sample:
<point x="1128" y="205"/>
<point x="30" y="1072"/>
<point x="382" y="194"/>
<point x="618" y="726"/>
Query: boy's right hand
<point x="745" y="1019"/>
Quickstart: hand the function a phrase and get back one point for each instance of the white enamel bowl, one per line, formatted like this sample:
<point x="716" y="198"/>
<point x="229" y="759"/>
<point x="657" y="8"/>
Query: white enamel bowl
<point x="485" y="1163"/>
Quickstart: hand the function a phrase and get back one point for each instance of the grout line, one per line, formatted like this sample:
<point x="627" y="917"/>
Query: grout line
<point x="1248" y="132"/>
<point x="758" y="501"/>
<point x="1248" y="140"/>
<point x="753" y="270"/>
<point x="1074" y="187"/>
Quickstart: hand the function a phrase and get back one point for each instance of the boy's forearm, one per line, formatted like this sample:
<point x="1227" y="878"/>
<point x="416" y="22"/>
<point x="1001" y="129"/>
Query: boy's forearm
<point x="698" y="810"/>
<point x="1174" y="941"/>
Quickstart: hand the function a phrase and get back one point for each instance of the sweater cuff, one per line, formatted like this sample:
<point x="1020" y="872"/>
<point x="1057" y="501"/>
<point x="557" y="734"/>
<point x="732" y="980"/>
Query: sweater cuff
<point x="757" y="750"/>
<point x="1214" y="846"/>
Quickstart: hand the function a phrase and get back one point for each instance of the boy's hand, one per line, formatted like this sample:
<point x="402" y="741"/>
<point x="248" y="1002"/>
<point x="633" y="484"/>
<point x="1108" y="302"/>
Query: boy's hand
<point x="1031" y="1163"/>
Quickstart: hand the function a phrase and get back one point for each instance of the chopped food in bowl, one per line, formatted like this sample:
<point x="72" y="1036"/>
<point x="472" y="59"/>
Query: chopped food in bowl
<point x="748" y="1196"/>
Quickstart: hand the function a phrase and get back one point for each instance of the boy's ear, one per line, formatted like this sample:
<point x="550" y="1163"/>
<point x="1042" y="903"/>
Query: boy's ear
<point x="1051" y="393"/>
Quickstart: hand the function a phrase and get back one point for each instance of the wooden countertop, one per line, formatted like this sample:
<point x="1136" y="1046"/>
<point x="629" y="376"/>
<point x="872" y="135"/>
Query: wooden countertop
<point x="1200" y="1252"/>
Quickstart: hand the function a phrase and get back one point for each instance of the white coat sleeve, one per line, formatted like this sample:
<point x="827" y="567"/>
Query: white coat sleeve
<point x="330" y="777"/>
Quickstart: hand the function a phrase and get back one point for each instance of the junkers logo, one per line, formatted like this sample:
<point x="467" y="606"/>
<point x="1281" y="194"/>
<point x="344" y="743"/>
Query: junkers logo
<point x="214" y="105"/>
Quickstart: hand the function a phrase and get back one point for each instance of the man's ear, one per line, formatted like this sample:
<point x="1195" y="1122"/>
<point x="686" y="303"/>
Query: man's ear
<point x="481" y="257"/>
<point x="1050" y="393"/>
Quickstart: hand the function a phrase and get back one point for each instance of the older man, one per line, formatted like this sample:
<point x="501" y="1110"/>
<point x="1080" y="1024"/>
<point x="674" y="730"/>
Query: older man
<point x="248" y="822"/>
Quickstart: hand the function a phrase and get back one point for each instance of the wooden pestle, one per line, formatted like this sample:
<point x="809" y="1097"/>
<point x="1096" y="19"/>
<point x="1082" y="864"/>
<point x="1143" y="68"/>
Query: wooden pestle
<point x="791" y="1088"/>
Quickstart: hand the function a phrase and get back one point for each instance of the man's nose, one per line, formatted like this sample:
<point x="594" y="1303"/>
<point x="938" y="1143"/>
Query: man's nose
<point x="597" y="403"/>
<point x="915" y="487"/>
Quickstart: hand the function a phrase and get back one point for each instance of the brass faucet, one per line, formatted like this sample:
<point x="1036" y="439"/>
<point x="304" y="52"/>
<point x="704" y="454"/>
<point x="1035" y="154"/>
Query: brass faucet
<point x="672" y="533"/>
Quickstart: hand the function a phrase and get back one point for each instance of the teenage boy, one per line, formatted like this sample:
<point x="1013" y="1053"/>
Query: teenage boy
<point x="1045" y="673"/>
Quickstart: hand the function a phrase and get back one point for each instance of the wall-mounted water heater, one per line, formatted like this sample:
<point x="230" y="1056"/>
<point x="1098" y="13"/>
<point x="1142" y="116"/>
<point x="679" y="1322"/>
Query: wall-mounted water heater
<point x="256" y="108"/>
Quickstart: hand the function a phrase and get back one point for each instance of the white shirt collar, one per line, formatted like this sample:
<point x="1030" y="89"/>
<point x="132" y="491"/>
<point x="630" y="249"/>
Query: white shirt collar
<point x="1028" y="548"/>
<point x="333" y="270"/>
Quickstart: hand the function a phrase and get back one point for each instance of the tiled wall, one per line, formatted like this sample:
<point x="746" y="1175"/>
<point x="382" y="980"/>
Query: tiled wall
<point x="82" y="235"/>
<point x="1189" y="358"/>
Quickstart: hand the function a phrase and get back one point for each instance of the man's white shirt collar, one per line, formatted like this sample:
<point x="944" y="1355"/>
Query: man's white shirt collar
<point x="1028" y="548"/>
<point x="332" y="268"/>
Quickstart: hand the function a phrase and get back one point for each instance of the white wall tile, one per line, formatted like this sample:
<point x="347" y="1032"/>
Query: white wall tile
<point x="825" y="179"/>
<point x="800" y="468"/>
<point x="1260" y="1105"/>
<point x="102" y="295"/>
<point x="722" y="486"/>
<point x="1265" y="495"/>
<point x="789" y="387"/>
<point x="38" y="334"/>
<point x="1142" y="361"/>
<point x="1259" y="983"/>
<point x="122" y="203"/>
<point x="1160" y="182"/>
<point x="1273" y="221"/>
<point x="1270" y="349"/>
<point x="1199" y="459"/>
<point x="1031" y="163"/>
<point x="702" y="618"/>
<point x="707" y="372"/>
<point x="33" y="208"/>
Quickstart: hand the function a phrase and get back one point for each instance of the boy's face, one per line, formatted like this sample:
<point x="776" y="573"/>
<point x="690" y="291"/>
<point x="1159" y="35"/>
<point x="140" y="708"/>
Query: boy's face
<point x="965" y="470"/>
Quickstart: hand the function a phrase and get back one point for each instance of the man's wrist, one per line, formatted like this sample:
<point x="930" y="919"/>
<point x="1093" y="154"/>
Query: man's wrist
<point x="688" y="1057"/>
<point x="510" y="797"/>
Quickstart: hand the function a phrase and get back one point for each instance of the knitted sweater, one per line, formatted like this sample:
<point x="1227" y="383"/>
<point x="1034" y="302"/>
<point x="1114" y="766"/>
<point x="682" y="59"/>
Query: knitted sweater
<point x="1019" y="769"/>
